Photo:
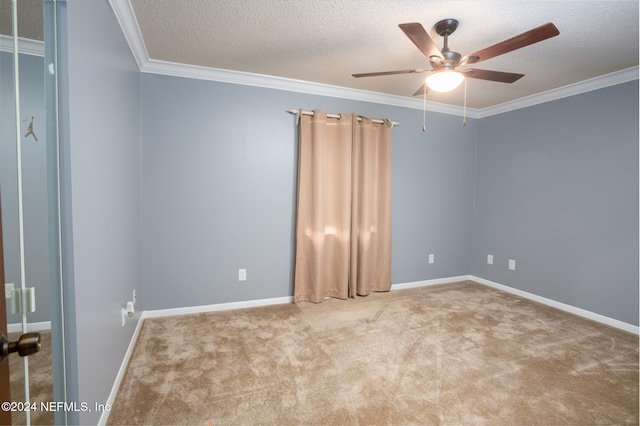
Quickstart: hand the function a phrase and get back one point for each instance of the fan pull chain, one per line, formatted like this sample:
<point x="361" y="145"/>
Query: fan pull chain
<point x="464" y="110"/>
<point x="424" y="110"/>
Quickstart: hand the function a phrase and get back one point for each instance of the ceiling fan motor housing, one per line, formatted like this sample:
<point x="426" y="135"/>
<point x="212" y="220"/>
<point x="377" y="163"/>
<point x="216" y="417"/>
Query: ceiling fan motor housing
<point x="451" y="59"/>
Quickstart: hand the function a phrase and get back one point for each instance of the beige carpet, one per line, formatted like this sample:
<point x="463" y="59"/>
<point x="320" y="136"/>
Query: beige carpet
<point x="450" y="354"/>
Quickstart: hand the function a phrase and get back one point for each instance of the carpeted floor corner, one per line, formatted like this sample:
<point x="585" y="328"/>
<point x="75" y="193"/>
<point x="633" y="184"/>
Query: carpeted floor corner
<point x="458" y="353"/>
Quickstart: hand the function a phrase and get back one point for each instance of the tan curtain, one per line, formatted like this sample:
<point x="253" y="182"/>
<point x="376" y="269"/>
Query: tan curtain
<point x="343" y="221"/>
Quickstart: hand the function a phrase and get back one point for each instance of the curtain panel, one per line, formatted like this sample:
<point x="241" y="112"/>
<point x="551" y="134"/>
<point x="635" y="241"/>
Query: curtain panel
<point x="343" y="217"/>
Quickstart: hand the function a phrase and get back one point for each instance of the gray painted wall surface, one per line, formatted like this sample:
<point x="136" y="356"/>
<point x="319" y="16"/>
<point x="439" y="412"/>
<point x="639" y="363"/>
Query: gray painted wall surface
<point x="557" y="191"/>
<point x="104" y="120"/>
<point x="34" y="181"/>
<point x="218" y="190"/>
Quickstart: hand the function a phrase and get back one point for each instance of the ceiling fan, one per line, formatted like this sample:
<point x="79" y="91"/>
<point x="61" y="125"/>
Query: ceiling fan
<point x="445" y="76"/>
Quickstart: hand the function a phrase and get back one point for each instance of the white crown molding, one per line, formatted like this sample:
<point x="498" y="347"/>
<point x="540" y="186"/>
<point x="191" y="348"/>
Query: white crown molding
<point x="125" y="16"/>
<point x="153" y="66"/>
<point x="123" y="11"/>
<point x="589" y="85"/>
<point x="26" y="46"/>
<point x="129" y="24"/>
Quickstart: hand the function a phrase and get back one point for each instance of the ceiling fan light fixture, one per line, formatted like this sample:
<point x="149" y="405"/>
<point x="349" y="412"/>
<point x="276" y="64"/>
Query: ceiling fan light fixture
<point x="444" y="81"/>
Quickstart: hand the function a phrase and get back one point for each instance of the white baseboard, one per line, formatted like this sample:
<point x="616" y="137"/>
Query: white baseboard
<point x="277" y="300"/>
<point x="549" y="302"/>
<point x="216" y="307"/>
<point x="400" y="286"/>
<point x="559" y="305"/>
<point x="425" y="283"/>
<point x="121" y="372"/>
<point x="31" y="326"/>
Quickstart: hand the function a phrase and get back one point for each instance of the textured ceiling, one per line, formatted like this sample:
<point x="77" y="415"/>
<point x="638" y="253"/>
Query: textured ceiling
<point x="326" y="42"/>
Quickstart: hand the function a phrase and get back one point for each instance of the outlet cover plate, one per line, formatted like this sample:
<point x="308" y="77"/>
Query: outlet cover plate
<point x="512" y="264"/>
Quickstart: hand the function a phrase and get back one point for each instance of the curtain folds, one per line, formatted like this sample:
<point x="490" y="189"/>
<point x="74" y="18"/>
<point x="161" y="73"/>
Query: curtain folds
<point x="343" y="218"/>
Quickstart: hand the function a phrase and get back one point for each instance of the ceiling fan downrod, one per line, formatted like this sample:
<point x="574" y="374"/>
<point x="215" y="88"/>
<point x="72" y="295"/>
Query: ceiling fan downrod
<point x="445" y="28"/>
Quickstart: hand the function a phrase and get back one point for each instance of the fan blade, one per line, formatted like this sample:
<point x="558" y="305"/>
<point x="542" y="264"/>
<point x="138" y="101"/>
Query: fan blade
<point x="499" y="76"/>
<point x="535" y="35"/>
<point x="421" y="39"/>
<point x="422" y="90"/>
<point x="374" y="74"/>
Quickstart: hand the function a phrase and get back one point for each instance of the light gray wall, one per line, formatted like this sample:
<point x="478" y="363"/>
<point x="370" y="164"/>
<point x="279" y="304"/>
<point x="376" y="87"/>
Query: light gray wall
<point x="104" y="151"/>
<point x="557" y="191"/>
<point x="218" y="190"/>
<point x="34" y="181"/>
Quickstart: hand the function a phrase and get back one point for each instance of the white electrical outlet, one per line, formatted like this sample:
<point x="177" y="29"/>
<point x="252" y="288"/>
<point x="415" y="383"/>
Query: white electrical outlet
<point x="490" y="259"/>
<point x="8" y="288"/>
<point x="242" y="274"/>
<point x="134" y="296"/>
<point x="512" y="264"/>
<point x="432" y="258"/>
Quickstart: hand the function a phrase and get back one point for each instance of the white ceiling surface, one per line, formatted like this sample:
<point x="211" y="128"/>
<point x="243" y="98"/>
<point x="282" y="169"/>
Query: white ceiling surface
<point x="327" y="41"/>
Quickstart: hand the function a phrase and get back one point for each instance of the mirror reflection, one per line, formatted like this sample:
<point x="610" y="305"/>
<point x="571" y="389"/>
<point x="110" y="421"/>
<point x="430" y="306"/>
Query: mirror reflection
<point x="23" y="191"/>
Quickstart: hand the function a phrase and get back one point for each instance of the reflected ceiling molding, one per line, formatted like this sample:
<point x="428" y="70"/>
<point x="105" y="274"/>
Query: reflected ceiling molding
<point x="25" y="45"/>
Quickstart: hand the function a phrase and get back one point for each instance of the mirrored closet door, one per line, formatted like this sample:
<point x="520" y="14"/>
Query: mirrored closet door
<point x="29" y="197"/>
